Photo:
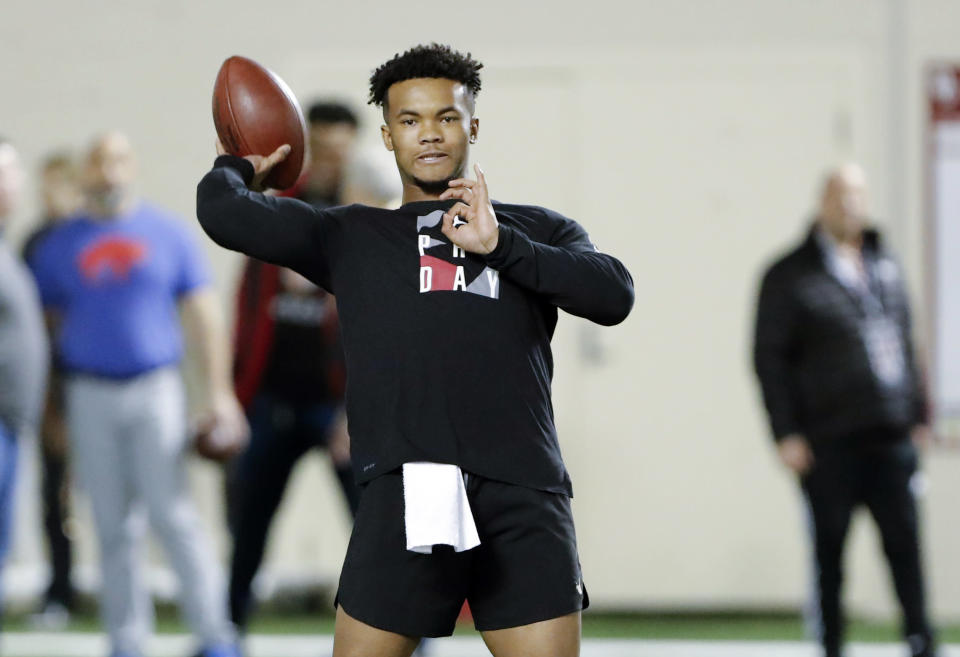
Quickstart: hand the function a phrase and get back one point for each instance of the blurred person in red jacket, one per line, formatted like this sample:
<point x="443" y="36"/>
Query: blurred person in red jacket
<point x="288" y="369"/>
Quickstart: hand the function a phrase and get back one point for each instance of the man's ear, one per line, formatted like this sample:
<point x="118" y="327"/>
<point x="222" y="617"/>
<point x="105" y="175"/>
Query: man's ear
<point x="387" y="137"/>
<point x="474" y="129"/>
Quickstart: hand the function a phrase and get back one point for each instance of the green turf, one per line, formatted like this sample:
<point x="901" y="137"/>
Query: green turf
<point x="733" y="626"/>
<point x="741" y="627"/>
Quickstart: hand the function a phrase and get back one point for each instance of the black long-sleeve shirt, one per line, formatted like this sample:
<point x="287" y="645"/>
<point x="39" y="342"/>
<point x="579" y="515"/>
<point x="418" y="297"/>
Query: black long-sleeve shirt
<point x="448" y="353"/>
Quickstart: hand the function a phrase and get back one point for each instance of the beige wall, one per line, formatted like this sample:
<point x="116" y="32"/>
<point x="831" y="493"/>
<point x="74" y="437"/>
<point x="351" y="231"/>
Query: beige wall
<point x="689" y="137"/>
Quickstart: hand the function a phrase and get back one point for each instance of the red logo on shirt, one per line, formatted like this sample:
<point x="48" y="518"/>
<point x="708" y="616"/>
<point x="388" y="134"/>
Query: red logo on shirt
<point x="111" y="256"/>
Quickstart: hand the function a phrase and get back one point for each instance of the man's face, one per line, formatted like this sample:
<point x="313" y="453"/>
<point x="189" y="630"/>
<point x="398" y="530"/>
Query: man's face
<point x="429" y="129"/>
<point x="58" y="191"/>
<point x="109" y="173"/>
<point x="330" y="147"/>
<point x="11" y="180"/>
<point x="843" y="212"/>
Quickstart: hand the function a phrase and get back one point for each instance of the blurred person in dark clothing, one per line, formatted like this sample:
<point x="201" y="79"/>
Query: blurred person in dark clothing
<point x="834" y="356"/>
<point x="289" y="369"/>
<point x="333" y="130"/>
<point x="60" y="198"/>
<point x="23" y="347"/>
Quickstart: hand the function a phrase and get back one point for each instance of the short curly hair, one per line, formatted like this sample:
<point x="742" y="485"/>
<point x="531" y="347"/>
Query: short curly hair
<point x="325" y="111"/>
<point x="425" y="61"/>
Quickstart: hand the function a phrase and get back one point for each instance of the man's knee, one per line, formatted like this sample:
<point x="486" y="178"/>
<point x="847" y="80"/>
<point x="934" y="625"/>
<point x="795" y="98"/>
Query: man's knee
<point x="901" y="548"/>
<point x="117" y="535"/>
<point x="175" y="522"/>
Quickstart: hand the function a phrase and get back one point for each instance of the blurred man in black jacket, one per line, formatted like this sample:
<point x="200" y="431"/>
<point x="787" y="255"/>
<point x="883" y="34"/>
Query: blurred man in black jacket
<point x="833" y="352"/>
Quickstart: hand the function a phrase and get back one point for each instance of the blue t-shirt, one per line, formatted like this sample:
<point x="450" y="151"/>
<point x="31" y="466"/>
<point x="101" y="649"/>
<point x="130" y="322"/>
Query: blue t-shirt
<point x="116" y="283"/>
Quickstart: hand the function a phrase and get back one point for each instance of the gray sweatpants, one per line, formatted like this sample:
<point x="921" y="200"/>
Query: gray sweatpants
<point x="128" y="439"/>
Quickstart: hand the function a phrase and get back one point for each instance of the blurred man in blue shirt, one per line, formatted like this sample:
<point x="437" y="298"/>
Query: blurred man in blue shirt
<point x="119" y="279"/>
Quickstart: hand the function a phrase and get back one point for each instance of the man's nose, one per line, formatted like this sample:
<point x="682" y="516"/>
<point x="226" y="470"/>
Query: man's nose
<point x="429" y="134"/>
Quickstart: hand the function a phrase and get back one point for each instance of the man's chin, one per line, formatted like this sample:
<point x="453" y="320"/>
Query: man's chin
<point x="433" y="187"/>
<point x="108" y="203"/>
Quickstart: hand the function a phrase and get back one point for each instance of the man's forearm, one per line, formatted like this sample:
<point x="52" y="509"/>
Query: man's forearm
<point x="592" y="285"/>
<point x="275" y="230"/>
<point x="209" y="346"/>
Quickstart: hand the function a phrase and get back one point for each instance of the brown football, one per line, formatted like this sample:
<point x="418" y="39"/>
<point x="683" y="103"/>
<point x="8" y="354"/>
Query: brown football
<point x="255" y="112"/>
<point x="213" y="443"/>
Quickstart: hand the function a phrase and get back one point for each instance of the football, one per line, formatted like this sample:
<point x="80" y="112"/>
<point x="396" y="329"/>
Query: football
<point x="212" y="442"/>
<point x="255" y="112"/>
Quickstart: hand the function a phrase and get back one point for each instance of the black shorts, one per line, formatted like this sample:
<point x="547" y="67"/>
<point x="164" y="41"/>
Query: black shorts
<point x="525" y="570"/>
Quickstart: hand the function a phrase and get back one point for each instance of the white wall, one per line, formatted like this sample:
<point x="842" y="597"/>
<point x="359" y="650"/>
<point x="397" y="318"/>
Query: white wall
<point x="689" y="137"/>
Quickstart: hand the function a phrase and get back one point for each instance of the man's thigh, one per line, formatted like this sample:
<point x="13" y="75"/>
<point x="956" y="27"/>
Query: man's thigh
<point x="557" y="637"/>
<point x="156" y="444"/>
<point x="276" y="444"/>
<point x="527" y="568"/>
<point x="386" y="586"/>
<point x="354" y="638"/>
<point x="889" y="494"/>
<point x="832" y="490"/>
<point x="96" y="412"/>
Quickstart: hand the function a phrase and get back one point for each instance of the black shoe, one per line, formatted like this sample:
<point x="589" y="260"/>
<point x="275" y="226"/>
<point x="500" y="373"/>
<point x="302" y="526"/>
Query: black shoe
<point x="921" y="646"/>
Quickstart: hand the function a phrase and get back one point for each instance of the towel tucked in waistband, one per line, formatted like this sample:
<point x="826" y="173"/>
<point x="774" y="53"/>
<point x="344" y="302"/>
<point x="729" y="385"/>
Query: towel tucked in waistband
<point x="436" y="508"/>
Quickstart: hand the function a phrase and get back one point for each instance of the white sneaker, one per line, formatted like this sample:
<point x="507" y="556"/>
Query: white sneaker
<point x="53" y="617"/>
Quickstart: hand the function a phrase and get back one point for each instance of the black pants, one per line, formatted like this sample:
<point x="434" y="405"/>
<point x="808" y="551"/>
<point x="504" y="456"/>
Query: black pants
<point x="281" y="433"/>
<point x="55" y="494"/>
<point x="876" y="471"/>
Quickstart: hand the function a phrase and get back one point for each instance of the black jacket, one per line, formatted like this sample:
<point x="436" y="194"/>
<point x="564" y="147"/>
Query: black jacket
<point x="810" y="357"/>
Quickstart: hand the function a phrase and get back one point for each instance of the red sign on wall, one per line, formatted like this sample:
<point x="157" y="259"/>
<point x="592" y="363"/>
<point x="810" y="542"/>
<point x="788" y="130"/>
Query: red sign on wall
<point x="944" y="93"/>
<point x="943" y="247"/>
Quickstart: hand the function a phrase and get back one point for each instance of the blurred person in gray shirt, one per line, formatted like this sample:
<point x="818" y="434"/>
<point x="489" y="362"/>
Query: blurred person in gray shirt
<point x="23" y="346"/>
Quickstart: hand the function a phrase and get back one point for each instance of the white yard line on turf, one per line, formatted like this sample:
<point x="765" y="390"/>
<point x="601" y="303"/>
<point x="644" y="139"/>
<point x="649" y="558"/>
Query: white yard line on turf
<point x="39" y="644"/>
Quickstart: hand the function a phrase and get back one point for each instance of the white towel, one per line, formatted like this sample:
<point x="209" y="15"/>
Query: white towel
<point x="436" y="508"/>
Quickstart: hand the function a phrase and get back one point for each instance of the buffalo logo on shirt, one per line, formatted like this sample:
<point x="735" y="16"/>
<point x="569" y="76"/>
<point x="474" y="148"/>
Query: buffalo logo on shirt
<point x="111" y="258"/>
<point x="444" y="267"/>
